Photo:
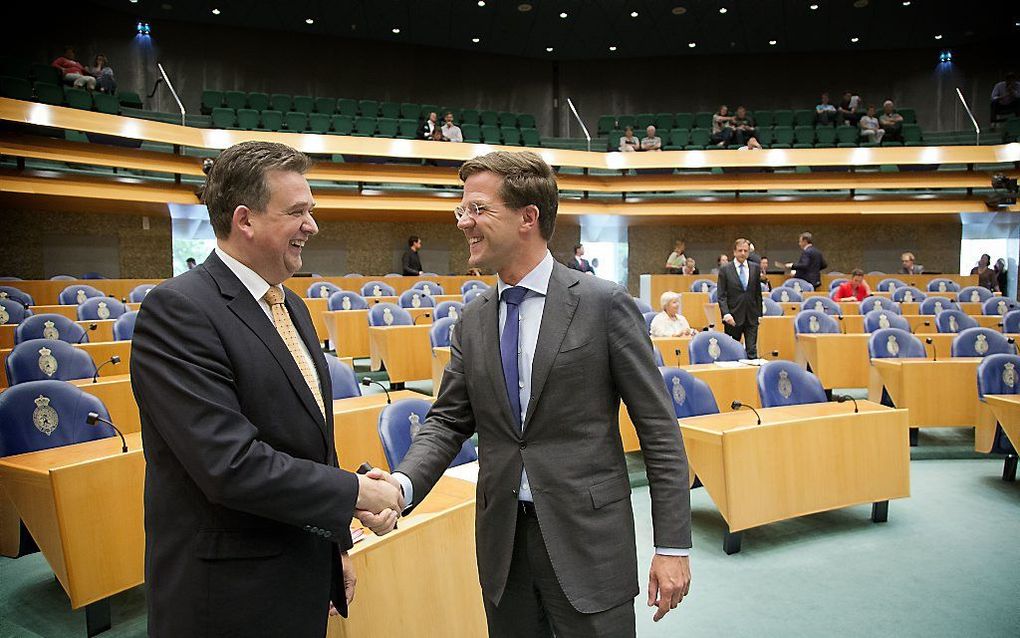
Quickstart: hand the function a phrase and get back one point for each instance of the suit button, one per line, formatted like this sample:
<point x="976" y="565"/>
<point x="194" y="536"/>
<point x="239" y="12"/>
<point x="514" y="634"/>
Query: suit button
<point x="327" y="533"/>
<point x="524" y="445"/>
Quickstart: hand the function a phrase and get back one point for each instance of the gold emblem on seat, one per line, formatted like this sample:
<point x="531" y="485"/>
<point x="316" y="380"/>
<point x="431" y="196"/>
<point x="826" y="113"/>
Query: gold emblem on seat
<point x="954" y="326"/>
<point x="908" y="297"/>
<point x="452" y="326"/>
<point x="346" y="303"/>
<point x="387" y="316"/>
<point x="415" y="424"/>
<point x="938" y="307"/>
<point x="713" y="348"/>
<point x="81" y="296"/>
<point x="704" y="286"/>
<point x="783" y="296"/>
<point x="47" y="363"/>
<point x="1001" y="307"/>
<point x="679" y="394"/>
<point x="453" y="313"/>
<point x="813" y="324"/>
<point x="426" y="290"/>
<point x="892" y="346"/>
<point x="883" y="321"/>
<point x="878" y="304"/>
<point x="44" y="417"/>
<point x="103" y="311"/>
<point x="4" y="316"/>
<point x="819" y="306"/>
<point x="416" y="300"/>
<point x="796" y="287"/>
<point x="1009" y="375"/>
<point x="376" y="291"/>
<point x="942" y="286"/>
<point x="785" y="386"/>
<point x="323" y="292"/>
<point x="981" y="345"/>
<point x="50" y="331"/>
<point x="975" y="296"/>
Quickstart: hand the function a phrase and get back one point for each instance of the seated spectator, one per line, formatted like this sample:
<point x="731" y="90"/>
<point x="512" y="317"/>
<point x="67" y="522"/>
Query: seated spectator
<point x="428" y="127"/>
<point x="651" y="142"/>
<point x="854" y="290"/>
<point x="669" y="322"/>
<point x="752" y="254"/>
<point x="1006" y="98"/>
<point x="722" y="129"/>
<point x="676" y="260"/>
<point x="72" y="71"/>
<point x="846" y="111"/>
<point x="1001" y="276"/>
<point x="871" y="131"/>
<point x="474" y="272"/>
<point x="907" y="265"/>
<point x="690" y="267"/>
<point x="720" y="262"/>
<point x="766" y="285"/>
<point x="451" y="132"/>
<point x="987" y="277"/>
<point x="752" y="145"/>
<point x="101" y="70"/>
<point x="744" y="128"/>
<point x="629" y="143"/>
<point x="891" y="121"/>
<point x="825" y="113"/>
<point x="437" y="135"/>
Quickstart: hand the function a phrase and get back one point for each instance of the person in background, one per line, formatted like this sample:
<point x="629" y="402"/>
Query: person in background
<point x="722" y="129"/>
<point x="72" y="70"/>
<point x="474" y="272"/>
<point x="451" y="132"/>
<point x="870" y="129"/>
<point x="752" y="145"/>
<point x="101" y="70"/>
<point x="856" y="289"/>
<point x="744" y="129"/>
<point x="811" y="262"/>
<point x="579" y="262"/>
<point x="437" y="135"/>
<point x="739" y="295"/>
<point x="629" y="143"/>
<point x="720" y="261"/>
<point x="690" y="267"/>
<point x="669" y="322"/>
<point x="676" y="260"/>
<point x="891" y="121"/>
<point x="846" y="110"/>
<point x="428" y="127"/>
<point x="986" y="275"/>
<point x="752" y="255"/>
<point x="825" y="112"/>
<point x="651" y="142"/>
<point x="907" y="266"/>
<point x="190" y="261"/>
<point x="1001" y="277"/>
<point x="1006" y="98"/>
<point x="410" y="263"/>
<point x="763" y="266"/>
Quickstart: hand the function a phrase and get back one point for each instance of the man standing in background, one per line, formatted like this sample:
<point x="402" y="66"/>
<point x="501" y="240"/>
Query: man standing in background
<point x="579" y="262"/>
<point x="739" y="294"/>
<point x="410" y="263"/>
<point x="809" y="266"/>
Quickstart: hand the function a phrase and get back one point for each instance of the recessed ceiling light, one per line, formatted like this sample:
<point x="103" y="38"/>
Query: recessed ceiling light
<point x="475" y="40"/>
<point x="134" y="1"/>
<point x="395" y="30"/>
<point x="938" y="36"/>
<point x="309" y="21"/>
<point x="860" y="4"/>
<point x="612" y="48"/>
<point x="548" y="49"/>
<point x="854" y="39"/>
<point x="563" y="15"/>
<point x="906" y="3"/>
<point x="772" y="43"/>
<point x="215" y="12"/>
<point x="481" y="3"/>
<point x="524" y="7"/>
<point x="679" y="11"/>
<point x="813" y="7"/>
<point x="723" y="9"/>
<point x="692" y="44"/>
<point x="633" y="14"/>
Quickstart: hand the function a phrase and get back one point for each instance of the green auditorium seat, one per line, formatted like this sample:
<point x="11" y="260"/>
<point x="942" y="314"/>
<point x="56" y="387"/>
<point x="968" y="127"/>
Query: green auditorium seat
<point x="606" y="124"/>
<point x="443" y="110"/>
<point x="364" y="126"/>
<point x="271" y="120"/>
<point x="765" y="136"/>
<point x="318" y="123"/>
<point x="258" y="101"/>
<point x="248" y="119"/>
<point x="347" y="106"/>
<point x="803" y="117"/>
<point x="909" y="115"/>
<point x="489" y="118"/>
<point x="491" y="134"/>
<point x="912" y="135"/>
<point x="386" y="127"/>
<point x="703" y="119"/>
<point x="407" y="128"/>
<point x="683" y="121"/>
<point x="623" y="121"/>
<point x="129" y="99"/>
<point x="279" y="102"/>
<point x="472" y="132"/>
<point x="663" y="121"/>
<point x="782" y="118"/>
<point x="76" y="136"/>
<point x="106" y="103"/>
<point x="426" y="109"/>
<point x="409" y="110"/>
<point x="804" y="136"/>
<point x="525" y="120"/>
<point x="613" y="140"/>
<point x="700" y="138"/>
<point x="763" y="118"/>
<point x="325" y="105"/>
<point x="223" y="117"/>
<point x="342" y="124"/>
<point x="303" y="104"/>
<point x="390" y="110"/>
<point x="46" y="73"/>
<point x="469" y="116"/>
<point x="511" y="135"/>
<point x="368" y="108"/>
<point x="644" y="120"/>
<point x="48" y="93"/>
<point x="678" y="139"/>
<point x="211" y="100"/>
<point x="506" y="118"/>
<point x="846" y="136"/>
<point x="78" y="98"/>
<point x="296" y="121"/>
<point x="1011" y="130"/>
<point x="15" y="88"/>
<point x="892" y="143"/>
<point x="782" y="137"/>
<point x="530" y="137"/>
<point x="825" y="136"/>
<point x="235" y="100"/>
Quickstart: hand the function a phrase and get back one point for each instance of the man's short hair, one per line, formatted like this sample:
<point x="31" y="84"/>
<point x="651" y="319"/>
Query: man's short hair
<point x="190" y="260"/>
<point x="808" y="237"/>
<point x="527" y="180"/>
<point x="578" y="247"/>
<point x="907" y="255"/>
<point x="856" y="272"/>
<point x="412" y="240"/>
<point x="238" y="178"/>
<point x="740" y="241"/>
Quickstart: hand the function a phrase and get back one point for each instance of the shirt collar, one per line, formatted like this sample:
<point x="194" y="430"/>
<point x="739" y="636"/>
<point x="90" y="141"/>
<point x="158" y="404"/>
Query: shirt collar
<point x="256" y="285"/>
<point x="536" y="281"/>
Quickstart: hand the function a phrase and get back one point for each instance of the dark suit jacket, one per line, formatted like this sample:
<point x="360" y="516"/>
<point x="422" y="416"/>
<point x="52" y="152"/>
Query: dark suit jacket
<point x="246" y="510"/>
<point x="810" y="264"/>
<point x="744" y="305"/>
<point x="593" y="350"/>
<point x="410" y="263"/>
<point x="584" y="266"/>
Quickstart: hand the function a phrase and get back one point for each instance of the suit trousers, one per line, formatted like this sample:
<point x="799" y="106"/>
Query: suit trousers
<point x="750" y="333"/>
<point x="533" y="603"/>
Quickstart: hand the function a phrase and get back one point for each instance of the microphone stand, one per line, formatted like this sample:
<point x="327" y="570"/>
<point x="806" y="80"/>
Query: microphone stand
<point x="365" y="381"/>
<point x="934" y="352"/>
<point x="92" y="326"/>
<point x="115" y="359"/>
<point x="843" y="398"/>
<point x="736" y="405"/>
<point x="93" y="418"/>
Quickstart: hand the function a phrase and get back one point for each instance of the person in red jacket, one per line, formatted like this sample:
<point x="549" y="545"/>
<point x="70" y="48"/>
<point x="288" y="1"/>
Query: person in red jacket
<point x="855" y="289"/>
<point x="73" y="71"/>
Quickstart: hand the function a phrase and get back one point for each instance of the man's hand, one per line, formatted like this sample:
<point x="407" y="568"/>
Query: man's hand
<point x="381" y="523"/>
<point x="728" y="319"/>
<point x="669" y="580"/>
<point x="378" y="491"/>
<point x="350" y="578"/>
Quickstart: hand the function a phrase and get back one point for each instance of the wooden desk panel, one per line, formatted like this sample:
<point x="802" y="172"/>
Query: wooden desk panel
<point x="776" y="335"/>
<point x="116" y="394"/>
<point x="46" y="292"/>
<point x="440" y="359"/>
<point x="675" y="351"/>
<point x="316" y="308"/>
<point x="690" y="303"/>
<point x="939" y="393"/>
<point x="71" y="312"/>
<point x="838" y="360"/>
<point x="1005" y="409"/>
<point x="347" y="331"/>
<point x="356" y="428"/>
<point x="404" y="350"/>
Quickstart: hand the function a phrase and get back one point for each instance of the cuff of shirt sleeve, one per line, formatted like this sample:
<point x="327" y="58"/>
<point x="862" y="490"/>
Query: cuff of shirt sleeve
<point x="672" y="551"/>
<point x="406" y="487"/>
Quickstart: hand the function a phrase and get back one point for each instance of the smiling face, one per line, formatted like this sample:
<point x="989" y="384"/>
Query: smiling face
<point x="496" y="234"/>
<point x="272" y="240"/>
<point x="673" y="307"/>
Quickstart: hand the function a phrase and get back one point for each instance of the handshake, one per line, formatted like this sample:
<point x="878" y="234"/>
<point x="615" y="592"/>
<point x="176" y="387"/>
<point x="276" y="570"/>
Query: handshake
<point x="380" y="501"/>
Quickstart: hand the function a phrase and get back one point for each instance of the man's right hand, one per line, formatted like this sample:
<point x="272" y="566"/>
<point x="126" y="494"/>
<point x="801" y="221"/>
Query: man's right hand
<point x="376" y="493"/>
<point x="728" y="319"/>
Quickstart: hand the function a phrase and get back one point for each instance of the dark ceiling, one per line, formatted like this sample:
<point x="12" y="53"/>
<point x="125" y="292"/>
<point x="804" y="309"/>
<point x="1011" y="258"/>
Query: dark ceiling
<point x="591" y="27"/>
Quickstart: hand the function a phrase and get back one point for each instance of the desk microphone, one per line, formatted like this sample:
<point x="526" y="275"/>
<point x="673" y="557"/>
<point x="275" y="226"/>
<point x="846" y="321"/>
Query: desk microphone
<point x="114" y="360"/>
<point x="1011" y="341"/>
<point x="92" y="326"/>
<point x="736" y="405"/>
<point x="775" y="354"/>
<point x="415" y="320"/>
<point x="843" y="398"/>
<point x="677" y="357"/>
<point x="842" y="326"/>
<point x="926" y="324"/>
<point x="365" y="381"/>
<point x="93" y="418"/>
<point x="123" y="300"/>
<point x="934" y="352"/>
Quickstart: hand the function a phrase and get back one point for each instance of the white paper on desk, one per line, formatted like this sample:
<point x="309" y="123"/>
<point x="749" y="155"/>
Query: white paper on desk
<point x="466" y="472"/>
<point x="754" y="362"/>
<point x="729" y="364"/>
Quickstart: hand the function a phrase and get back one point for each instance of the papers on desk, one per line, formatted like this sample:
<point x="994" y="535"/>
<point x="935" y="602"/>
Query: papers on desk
<point x="357" y="534"/>
<point x="465" y="472"/>
<point x="754" y="362"/>
<point x="730" y="364"/>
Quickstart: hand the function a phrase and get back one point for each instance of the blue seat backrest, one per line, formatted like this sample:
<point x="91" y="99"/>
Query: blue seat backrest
<point x="38" y="415"/>
<point x="935" y="304"/>
<point x="703" y="285"/>
<point x="377" y="289"/>
<point x="124" y="327"/>
<point x="770" y="308"/>
<point x="100" y="308"/>
<point x="441" y="332"/>
<point x="894" y="343"/>
<point x="428" y="287"/>
<point x="710" y="346"/>
<point x="40" y="359"/>
<point x="1011" y="322"/>
<point x="473" y="284"/>
<point x="954" y="321"/>
<point x="979" y="342"/>
<point x="875" y="301"/>
<point x="471" y="294"/>
<point x="138" y="292"/>
<point x="398" y="316"/>
<point x="321" y="290"/>
<point x="998" y="305"/>
<point x="815" y="322"/>
<point x="783" y="294"/>
<point x="999" y="374"/>
<point x="822" y="304"/>
<point x="943" y="285"/>
<point x="450" y="309"/>
<point x="879" y="319"/>
<point x="416" y="298"/>
<point x="836" y="283"/>
<point x="783" y="383"/>
<point x="49" y="326"/>
<point x="17" y="294"/>
<point x="889" y="284"/>
<point x="973" y="294"/>
<point x="908" y="294"/>
<point x="12" y="312"/>
<point x="690" y="395"/>
<point x="399" y="424"/>
<point x="345" y="383"/>
<point x="347" y="300"/>
<point x="649" y="316"/>
<point x="74" y="295"/>
<point x="642" y="306"/>
<point x="798" y="284"/>
<point x="659" y="361"/>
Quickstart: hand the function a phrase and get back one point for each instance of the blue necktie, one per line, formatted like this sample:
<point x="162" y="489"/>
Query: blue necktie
<point x="742" y="269"/>
<point x="509" y="348"/>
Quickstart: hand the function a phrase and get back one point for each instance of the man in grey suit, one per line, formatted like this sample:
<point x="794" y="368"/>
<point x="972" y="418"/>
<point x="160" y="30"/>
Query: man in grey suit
<point x="739" y="296"/>
<point x="539" y="364"/>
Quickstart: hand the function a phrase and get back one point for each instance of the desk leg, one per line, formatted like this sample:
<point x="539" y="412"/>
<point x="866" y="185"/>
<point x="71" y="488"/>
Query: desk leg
<point x="1009" y="468"/>
<point x="97" y="617"/>
<point x="880" y="512"/>
<point x="913" y="437"/>
<point x="399" y="385"/>
<point x="731" y="542"/>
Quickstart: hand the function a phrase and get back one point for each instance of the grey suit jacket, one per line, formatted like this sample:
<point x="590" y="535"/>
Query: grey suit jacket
<point x="593" y="350"/>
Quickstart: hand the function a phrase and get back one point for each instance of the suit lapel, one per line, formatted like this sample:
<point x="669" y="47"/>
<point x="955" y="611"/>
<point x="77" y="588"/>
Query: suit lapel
<point x="560" y="304"/>
<point x="488" y="315"/>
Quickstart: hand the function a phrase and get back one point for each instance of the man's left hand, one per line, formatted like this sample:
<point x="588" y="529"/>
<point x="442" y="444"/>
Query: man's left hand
<point x="351" y="578"/>
<point x="669" y="580"/>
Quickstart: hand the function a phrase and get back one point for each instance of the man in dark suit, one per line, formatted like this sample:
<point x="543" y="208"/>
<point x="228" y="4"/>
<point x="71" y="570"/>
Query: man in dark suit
<point x="579" y="262"/>
<point x="739" y="294"/>
<point x="539" y="364"/>
<point x="410" y="262"/>
<point x="811" y="262"/>
<point x="247" y="514"/>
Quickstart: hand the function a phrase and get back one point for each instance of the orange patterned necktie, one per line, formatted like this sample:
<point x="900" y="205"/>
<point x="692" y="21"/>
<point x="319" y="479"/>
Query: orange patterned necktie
<point x="284" y="325"/>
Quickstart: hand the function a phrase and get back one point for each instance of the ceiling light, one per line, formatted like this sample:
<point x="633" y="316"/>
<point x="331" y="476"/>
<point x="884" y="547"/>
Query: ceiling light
<point x="475" y="40"/>
<point x="524" y="7"/>
<point x="906" y="3"/>
<point x="134" y="1"/>
<point x="612" y="48"/>
<point x="723" y="9"/>
<point x="854" y="39"/>
<point x="692" y="44"/>
<point x="860" y="4"/>
<point x="309" y="21"/>
<point x="563" y="15"/>
<point x="548" y="49"/>
<point x="938" y="36"/>
<point x="395" y="30"/>
<point x="481" y="3"/>
<point x="772" y="43"/>
<point x="215" y="12"/>
<point x="679" y="11"/>
<point x="813" y="7"/>
<point x="633" y="14"/>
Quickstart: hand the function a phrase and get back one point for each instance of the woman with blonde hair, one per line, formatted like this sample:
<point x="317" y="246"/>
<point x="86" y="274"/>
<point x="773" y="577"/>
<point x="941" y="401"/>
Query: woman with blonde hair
<point x="669" y="322"/>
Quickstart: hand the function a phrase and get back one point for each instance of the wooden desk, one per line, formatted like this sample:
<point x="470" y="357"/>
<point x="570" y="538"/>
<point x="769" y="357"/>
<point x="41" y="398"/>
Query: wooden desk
<point x="801" y="460"/>
<point x="675" y="351"/>
<point x="440" y="359"/>
<point x="838" y="360"/>
<point x="47" y="292"/>
<point x="939" y="393"/>
<point x="690" y="303"/>
<point x="83" y="505"/>
<point x="356" y="428"/>
<point x="404" y="350"/>
<point x="71" y="312"/>
<point x="100" y="351"/>
<point x="103" y="331"/>
<point x="776" y="334"/>
<point x="348" y="332"/>
<point x="1005" y="409"/>
<point x="316" y="308"/>
<point x="116" y="394"/>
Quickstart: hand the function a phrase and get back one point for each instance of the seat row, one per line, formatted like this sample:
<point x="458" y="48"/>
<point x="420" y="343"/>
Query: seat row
<point x="681" y="139"/>
<point x="703" y="120"/>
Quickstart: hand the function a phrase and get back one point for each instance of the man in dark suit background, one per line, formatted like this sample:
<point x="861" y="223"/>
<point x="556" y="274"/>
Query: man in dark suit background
<point x="410" y="262"/>
<point x="539" y="364"/>
<point x="579" y="262"/>
<point x="247" y="514"/>
<point x="811" y="262"/>
<point x="739" y="295"/>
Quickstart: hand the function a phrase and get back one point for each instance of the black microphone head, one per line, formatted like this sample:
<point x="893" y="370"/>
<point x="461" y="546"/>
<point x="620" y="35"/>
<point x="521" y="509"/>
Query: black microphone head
<point x="735" y="405"/>
<point x="365" y="381"/>
<point x="1010" y="340"/>
<point x="92" y="418"/>
<point x="841" y="398"/>
<point x="711" y="326"/>
<point x="775" y="353"/>
<point x="928" y="341"/>
<point x="93" y="326"/>
<point x="115" y="359"/>
<point x="677" y="352"/>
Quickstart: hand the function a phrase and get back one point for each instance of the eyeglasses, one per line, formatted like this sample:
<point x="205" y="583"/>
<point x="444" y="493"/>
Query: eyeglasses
<point x="472" y="210"/>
